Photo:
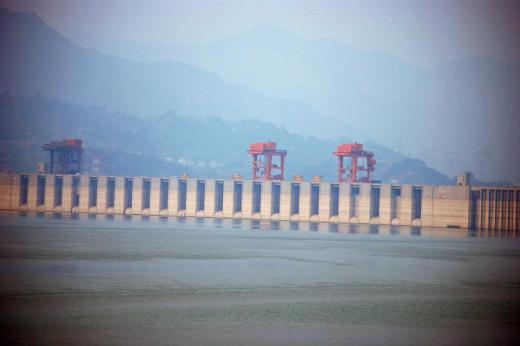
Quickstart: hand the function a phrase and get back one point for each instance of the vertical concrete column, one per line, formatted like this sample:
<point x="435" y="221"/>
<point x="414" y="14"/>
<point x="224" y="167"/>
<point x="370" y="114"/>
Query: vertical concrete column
<point x="429" y="194"/>
<point x="8" y="184"/>
<point x="191" y="197"/>
<point x="173" y="196"/>
<point x="515" y="210"/>
<point x="405" y="216"/>
<point x="324" y="204"/>
<point x="501" y="216"/>
<point x="465" y="205"/>
<point x="364" y="203"/>
<point x="16" y="198"/>
<point x="305" y="201"/>
<point x="31" y="195"/>
<point x="14" y="192"/>
<point x="228" y="198"/>
<point x="155" y="189"/>
<point x="119" y="195"/>
<point x="137" y="195"/>
<point x="6" y="190"/>
<point x="385" y="204"/>
<point x="478" y="208"/>
<point x="344" y="202"/>
<point x="209" y="198"/>
<point x="6" y="187"/>
<point x="511" y="210"/>
<point x="491" y="216"/>
<point x="501" y="210"/>
<point x="495" y="209"/>
<point x="66" y="199"/>
<point x="505" y="211"/>
<point x="266" y="199"/>
<point x="473" y="219"/>
<point x="485" y="210"/>
<point x="498" y="209"/>
<point x="9" y="191"/>
<point x="49" y="192"/>
<point x="478" y="220"/>
<point x="83" y="193"/>
<point x="285" y="200"/>
<point x="247" y="198"/>
<point x="102" y="194"/>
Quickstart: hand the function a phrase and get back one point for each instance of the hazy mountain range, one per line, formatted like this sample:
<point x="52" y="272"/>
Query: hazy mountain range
<point x="316" y="88"/>
<point x="461" y="115"/>
<point x="170" y="144"/>
<point x="36" y="59"/>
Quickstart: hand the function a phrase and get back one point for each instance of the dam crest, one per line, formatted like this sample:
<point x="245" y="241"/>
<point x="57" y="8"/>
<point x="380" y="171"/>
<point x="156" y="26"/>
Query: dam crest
<point x="451" y="206"/>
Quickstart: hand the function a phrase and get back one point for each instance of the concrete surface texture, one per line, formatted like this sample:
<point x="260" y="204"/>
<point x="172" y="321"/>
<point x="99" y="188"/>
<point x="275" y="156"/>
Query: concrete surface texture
<point x="461" y="206"/>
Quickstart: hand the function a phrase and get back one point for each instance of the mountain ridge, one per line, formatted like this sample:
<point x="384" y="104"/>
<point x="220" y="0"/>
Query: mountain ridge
<point x="170" y="144"/>
<point x="403" y="110"/>
<point x="51" y="65"/>
<point x="440" y="114"/>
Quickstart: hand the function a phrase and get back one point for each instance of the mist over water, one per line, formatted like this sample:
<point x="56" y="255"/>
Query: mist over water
<point x="113" y="280"/>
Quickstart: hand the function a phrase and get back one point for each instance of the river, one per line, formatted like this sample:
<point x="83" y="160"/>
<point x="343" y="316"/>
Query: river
<point x="146" y="280"/>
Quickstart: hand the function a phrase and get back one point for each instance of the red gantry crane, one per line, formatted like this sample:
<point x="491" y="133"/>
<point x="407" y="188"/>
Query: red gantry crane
<point x="262" y="166"/>
<point x="354" y="152"/>
<point x="65" y="156"/>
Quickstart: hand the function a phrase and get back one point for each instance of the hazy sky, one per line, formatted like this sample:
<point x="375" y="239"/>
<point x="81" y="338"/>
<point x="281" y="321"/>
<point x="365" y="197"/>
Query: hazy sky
<point x="422" y="32"/>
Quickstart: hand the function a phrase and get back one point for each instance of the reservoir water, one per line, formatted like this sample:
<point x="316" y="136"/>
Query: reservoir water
<point x="136" y="280"/>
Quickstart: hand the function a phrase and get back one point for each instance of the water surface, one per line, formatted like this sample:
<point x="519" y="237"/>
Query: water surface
<point x="117" y="280"/>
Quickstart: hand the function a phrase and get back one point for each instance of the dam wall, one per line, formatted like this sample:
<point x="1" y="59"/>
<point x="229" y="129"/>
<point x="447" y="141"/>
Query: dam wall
<point x="479" y="207"/>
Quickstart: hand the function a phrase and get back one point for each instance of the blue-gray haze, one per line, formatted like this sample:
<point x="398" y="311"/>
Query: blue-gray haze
<point x="433" y="80"/>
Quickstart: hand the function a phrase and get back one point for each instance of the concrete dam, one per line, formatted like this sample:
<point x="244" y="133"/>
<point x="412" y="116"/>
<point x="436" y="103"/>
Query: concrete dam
<point x="452" y="206"/>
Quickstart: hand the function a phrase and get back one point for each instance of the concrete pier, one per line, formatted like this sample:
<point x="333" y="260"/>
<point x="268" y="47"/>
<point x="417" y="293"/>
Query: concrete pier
<point x="479" y="207"/>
